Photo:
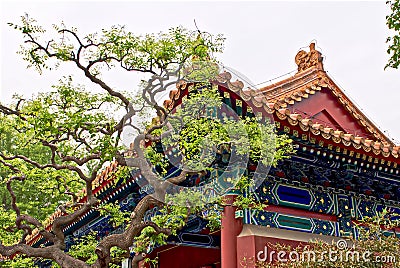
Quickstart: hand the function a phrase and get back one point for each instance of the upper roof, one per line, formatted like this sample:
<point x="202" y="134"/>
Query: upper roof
<point x="308" y="80"/>
<point x="279" y="99"/>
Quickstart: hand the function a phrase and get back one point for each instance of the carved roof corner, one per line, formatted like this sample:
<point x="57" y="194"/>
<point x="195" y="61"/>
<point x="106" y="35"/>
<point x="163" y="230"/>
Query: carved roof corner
<point x="306" y="60"/>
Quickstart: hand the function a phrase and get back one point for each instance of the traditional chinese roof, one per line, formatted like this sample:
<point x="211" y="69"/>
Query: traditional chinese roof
<point x="279" y="98"/>
<point x="309" y="79"/>
<point x="276" y="99"/>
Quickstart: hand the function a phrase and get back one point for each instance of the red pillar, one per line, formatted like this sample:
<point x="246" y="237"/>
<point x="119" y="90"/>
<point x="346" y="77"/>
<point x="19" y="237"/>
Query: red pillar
<point x="230" y="229"/>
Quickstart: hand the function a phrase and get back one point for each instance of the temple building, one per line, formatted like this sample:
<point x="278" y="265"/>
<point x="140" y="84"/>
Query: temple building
<point x="344" y="168"/>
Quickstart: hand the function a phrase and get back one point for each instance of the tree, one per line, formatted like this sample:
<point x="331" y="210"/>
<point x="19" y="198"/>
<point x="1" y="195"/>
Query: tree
<point x="58" y="142"/>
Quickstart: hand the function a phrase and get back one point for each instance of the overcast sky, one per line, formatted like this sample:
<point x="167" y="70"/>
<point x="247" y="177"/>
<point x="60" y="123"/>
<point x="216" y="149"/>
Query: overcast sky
<point x="262" y="41"/>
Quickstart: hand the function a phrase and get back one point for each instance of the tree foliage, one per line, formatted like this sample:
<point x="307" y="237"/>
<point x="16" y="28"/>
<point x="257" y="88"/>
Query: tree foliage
<point x="393" y="23"/>
<point x="55" y="144"/>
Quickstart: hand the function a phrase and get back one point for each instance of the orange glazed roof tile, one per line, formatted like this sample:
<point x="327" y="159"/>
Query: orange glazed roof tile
<point x="310" y="78"/>
<point x="380" y="146"/>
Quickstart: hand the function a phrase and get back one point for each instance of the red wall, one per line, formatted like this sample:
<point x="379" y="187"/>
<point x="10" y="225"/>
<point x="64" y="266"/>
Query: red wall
<point x="189" y="257"/>
<point x="326" y="109"/>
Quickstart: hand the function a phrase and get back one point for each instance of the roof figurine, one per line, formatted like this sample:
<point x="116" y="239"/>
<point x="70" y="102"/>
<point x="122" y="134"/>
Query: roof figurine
<point x="306" y="60"/>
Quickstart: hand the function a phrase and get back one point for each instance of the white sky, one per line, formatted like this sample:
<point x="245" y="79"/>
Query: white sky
<point x="262" y="41"/>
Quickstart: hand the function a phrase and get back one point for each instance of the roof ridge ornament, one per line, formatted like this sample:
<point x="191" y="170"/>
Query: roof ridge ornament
<point x="308" y="60"/>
